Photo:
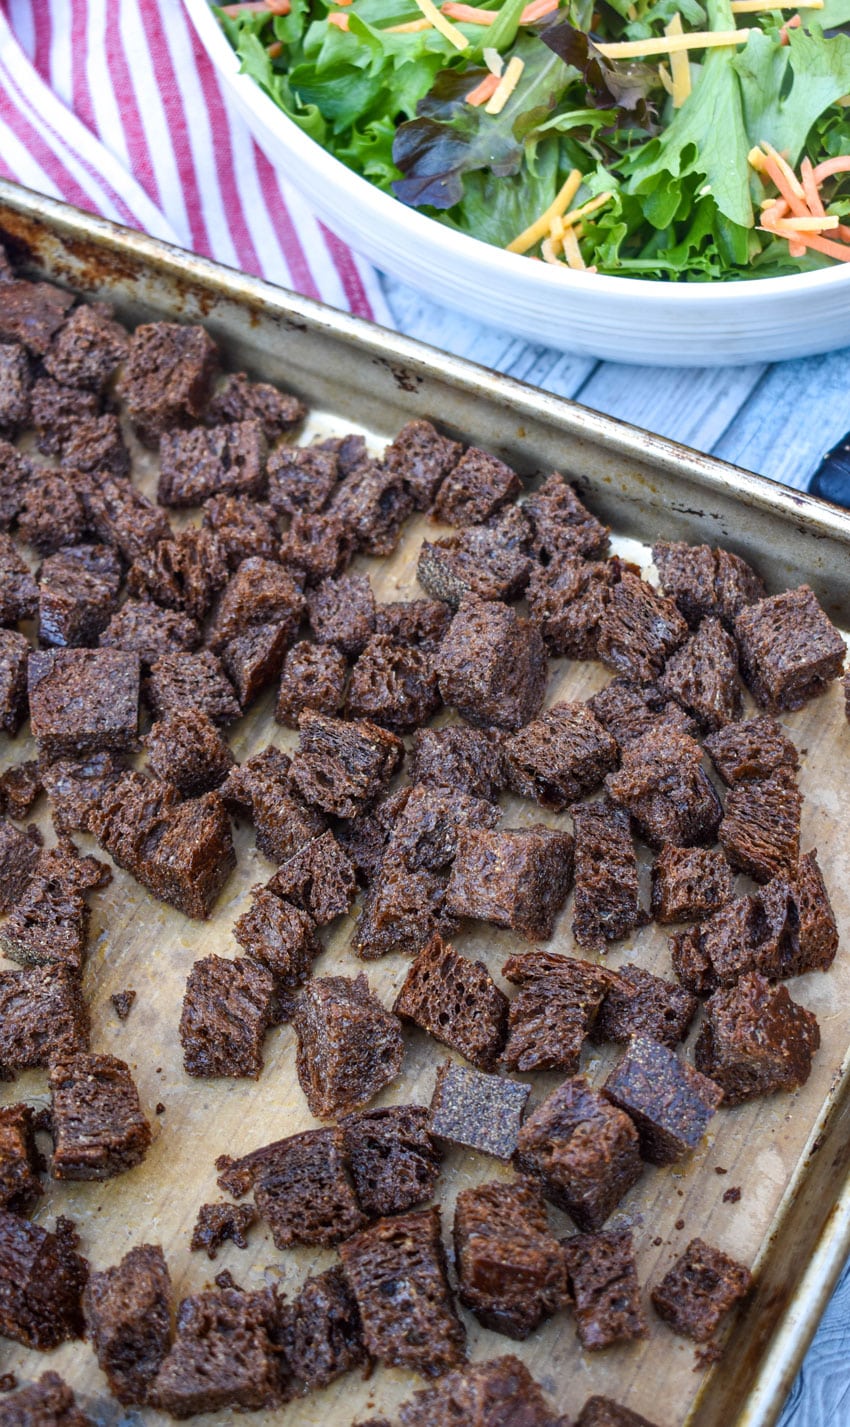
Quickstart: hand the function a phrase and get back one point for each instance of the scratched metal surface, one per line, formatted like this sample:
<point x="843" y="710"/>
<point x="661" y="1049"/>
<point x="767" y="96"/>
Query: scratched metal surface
<point x="792" y="1179"/>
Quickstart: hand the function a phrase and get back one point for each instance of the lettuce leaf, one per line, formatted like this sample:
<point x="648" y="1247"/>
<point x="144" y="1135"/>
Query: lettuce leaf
<point x="786" y="88"/>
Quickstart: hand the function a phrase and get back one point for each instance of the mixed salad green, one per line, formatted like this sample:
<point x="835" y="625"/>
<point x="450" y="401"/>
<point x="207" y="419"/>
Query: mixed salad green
<point x="686" y="199"/>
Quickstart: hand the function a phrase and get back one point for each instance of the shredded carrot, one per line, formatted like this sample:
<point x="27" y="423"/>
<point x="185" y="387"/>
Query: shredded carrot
<point x="341" y="21"/>
<point x="483" y="91"/>
<point x="258" y="7"/>
<point x="469" y="14"/>
<point x="829" y="167"/>
<point x="810" y="188"/>
<point x="780" y="179"/>
<point x="793" y="24"/>
<point x="785" y="168"/>
<point x="841" y="251"/>
<point x="537" y="10"/>
<point x="275" y="51"/>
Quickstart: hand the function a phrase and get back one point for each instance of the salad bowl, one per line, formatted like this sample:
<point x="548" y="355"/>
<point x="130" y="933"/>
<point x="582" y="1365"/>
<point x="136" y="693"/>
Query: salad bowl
<point x="617" y="318"/>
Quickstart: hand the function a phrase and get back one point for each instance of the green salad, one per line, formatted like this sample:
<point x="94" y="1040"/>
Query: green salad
<point x="687" y="140"/>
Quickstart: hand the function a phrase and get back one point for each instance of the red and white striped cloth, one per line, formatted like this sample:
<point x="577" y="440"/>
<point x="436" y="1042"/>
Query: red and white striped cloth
<point x="114" y="106"/>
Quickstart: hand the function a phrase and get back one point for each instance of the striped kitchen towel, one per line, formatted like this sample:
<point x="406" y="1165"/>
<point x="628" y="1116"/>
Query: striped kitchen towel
<point x="114" y="106"/>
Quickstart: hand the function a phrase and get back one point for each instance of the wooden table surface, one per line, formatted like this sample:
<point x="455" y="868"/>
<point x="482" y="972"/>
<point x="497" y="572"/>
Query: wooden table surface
<point x="776" y="419"/>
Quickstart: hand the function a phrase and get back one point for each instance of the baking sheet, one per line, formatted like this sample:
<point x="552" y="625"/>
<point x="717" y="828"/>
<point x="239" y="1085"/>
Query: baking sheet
<point x="787" y="1154"/>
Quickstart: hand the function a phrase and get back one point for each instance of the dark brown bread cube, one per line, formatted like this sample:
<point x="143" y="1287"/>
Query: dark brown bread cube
<point x="50" y="920"/>
<point x="253" y="660"/>
<point x="567" y="600"/>
<point x="397" y="1272"/>
<point x="604" y="1285"/>
<point x="489" y="562"/>
<point x="325" y="1339"/>
<point x="705" y="582"/>
<point x="121" y="516"/>
<point x="789" y="649"/>
<point x="183" y="680"/>
<point x="702" y="675"/>
<point x="32" y="312"/>
<point x="403" y="909"/>
<point x="562" y="525"/>
<point x="372" y="504"/>
<point x="477" y="1111"/>
<point x="76" y="787"/>
<point x="492" y="665"/>
<point x="14" y="658"/>
<point x="670" y="1104"/>
<point x="628" y="711"/>
<point x="260" y="593"/>
<point x="514" y="877"/>
<point x="182" y="852"/>
<point x="41" y="1282"/>
<point x="313" y="677"/>
<point x="699" y="1290"/>
<point x="365" y="837"/>
<point x="342" y="767"/>
<point x="468" y="759"/>
<point x="18" y="589"/>
<point x="15" y="383"/>
<point x="818" y="928"/>
<point x="42" y="1014"/>
<point x="20" y="787"/>
<point x="475" y="489"/>
<point x="46" y="1403"/>
<point x="639" y="629"/>
<point x="16" y="472"/>
<point x="756" y="933"/>
<point x="510" y="1268"/>
<point x="760" y="831"/>
<point x="183" y="573"/>
<point x="457" y="1002"/>
<point x="607" y="902"/>
<point x="150" y="631"/>
<point x="203" y="462"/>
<point x="88" y="347"/>
<point x="349" y="1046"/>
<point x="83" y="701"/>
<point x="20" y="1185"/>
<point x="342" y="612"/>
<point x="319" y="878"/>
<point x="302" y="479"/>
<point x="755" y="1040"/>
<point x="558" y="1002"/>
<point x="51" y="511"/>
<point x="186" y="749"/>
<point x="218" y="1224"/>
<point x="224" y="1358"/>
<point x="57" y="412"/>
<point x="419" y="623"/>
<point x="422" y="458"/>
<point x="689" y="883"/>
<point x="279" y="935"/>
<point x="78" y="593"/>
<point x="752" y="749"/>
<point x="242" y="400"/>
<point x="583" y="1150"/>
<point x="498" y="1393"/>
<point x="128" y="1317"/>
<point x="662" y="784"/>
<point x="394" y="1162"/>
<point x="394" y="685"/>
<point x="95" y="445"/>
<point x="301" y="1188"/>
<point x="317" y="547"/>
<point x="19" y="855"/>
<point x="167" y="377"/>
<point x="226" y="1013"/>
<point x="559" y="756"/>
<point x="604" y="1412"/>
<point x="283" y="821"/>
<point x="426" y="828"/>
<point x="245" y="528"/>
<point x="97" y="1122"/>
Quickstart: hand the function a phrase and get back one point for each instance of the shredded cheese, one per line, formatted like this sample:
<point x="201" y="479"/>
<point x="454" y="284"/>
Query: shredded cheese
<point x="680" y="66"/>
<point x="572" y="251"/>
<point x="540" y="227"/>
<point x="556" y="227"/>
<point x="844" y="101"/>
<point x="506" y="86"/>
<point x="664" y="76"/>
<point x="674" y="44"/>
<point x="493" y="61"/>
<point x="449" y="31"/>
<point x="755" y="159"/>
<point x="412" y="27"/>
<point x="752" y="7"/>
<point x="550" y="249"/>
<point x="785" y="169"/>
<point x="576" y="214"/>
<point x="806" y="225"/>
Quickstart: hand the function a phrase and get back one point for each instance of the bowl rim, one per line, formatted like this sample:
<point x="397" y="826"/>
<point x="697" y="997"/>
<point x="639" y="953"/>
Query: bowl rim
<point x="496" y="263"/>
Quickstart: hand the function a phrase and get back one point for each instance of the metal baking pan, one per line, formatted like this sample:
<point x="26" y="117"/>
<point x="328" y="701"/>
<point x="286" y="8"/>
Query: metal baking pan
<point x="788" y="1155"/>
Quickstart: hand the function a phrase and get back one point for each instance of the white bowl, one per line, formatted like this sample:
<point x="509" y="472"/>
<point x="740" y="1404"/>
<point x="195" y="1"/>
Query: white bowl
<point x="617" y="318"/>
